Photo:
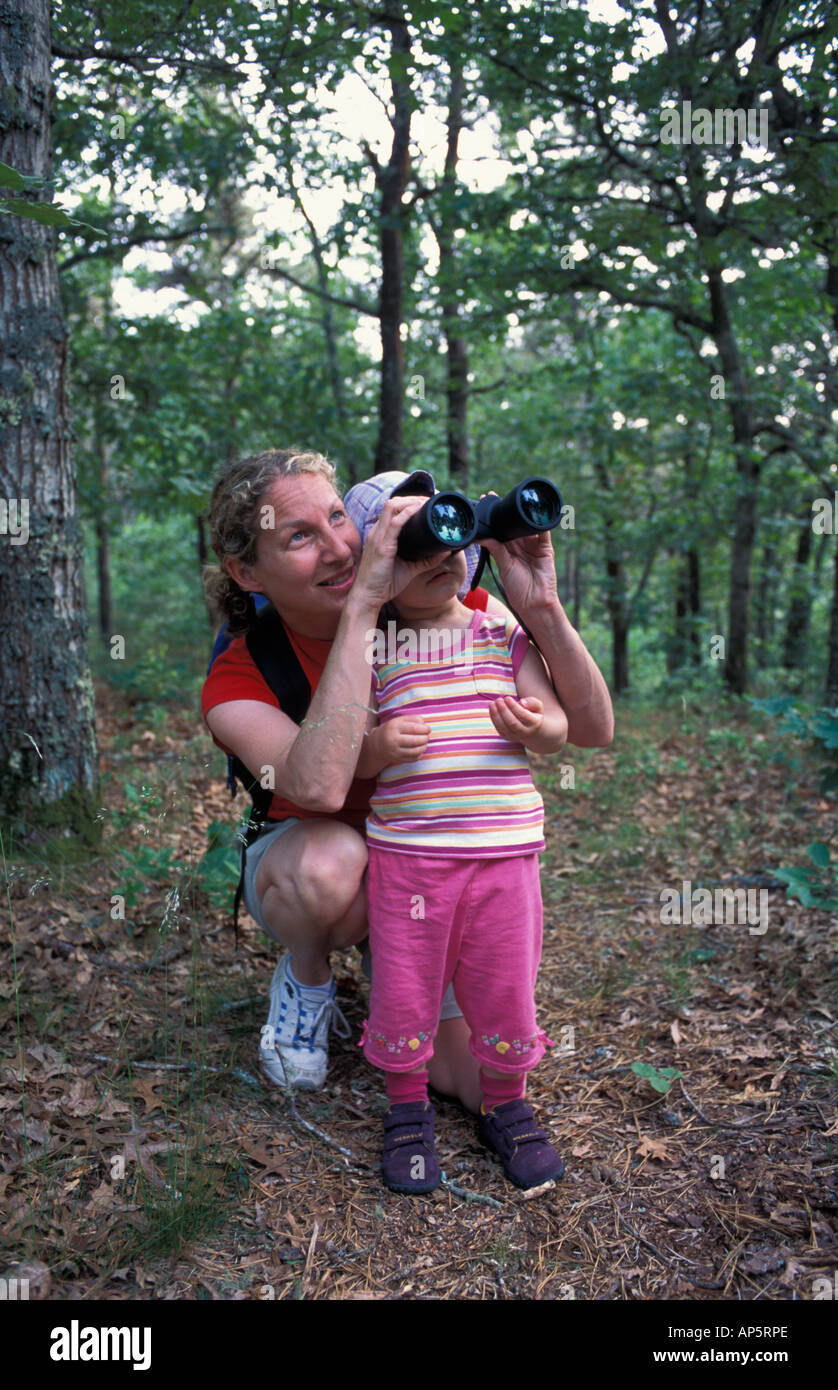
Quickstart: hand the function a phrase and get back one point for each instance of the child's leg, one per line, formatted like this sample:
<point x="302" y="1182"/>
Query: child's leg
<point x="407" y="1087"/>
<point x="499" y="1087"/>
<point x="499" y="929"/>
<point x="500" y="947"/>
<point x="409" y="922"/>
<point x="409" y="947"/>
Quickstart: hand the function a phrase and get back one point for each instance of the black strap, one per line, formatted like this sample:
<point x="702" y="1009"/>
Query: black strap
<point x="270" y="647"/>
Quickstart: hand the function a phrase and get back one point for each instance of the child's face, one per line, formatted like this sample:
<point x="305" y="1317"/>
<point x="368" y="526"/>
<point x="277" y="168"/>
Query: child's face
<point x="434" y="587"/>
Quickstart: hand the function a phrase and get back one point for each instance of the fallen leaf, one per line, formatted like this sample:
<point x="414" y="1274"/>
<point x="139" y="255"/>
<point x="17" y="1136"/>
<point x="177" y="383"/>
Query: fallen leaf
<point x="144" y="1091"/>
<point x="655" y="1148"/>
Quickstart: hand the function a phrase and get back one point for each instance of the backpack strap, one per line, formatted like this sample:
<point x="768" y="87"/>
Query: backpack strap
<point x="270" y="647"/>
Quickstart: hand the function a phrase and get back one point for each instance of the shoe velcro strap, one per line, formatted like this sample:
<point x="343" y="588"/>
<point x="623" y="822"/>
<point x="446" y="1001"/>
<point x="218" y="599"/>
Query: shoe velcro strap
<point x="419" y="1139"/>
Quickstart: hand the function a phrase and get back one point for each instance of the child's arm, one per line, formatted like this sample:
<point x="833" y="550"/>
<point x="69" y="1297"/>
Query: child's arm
<point x="536" y="718"/>
<point x="398" y="741"/>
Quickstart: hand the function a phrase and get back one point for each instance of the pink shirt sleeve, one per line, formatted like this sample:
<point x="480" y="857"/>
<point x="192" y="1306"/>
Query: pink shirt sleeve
<point x="519" y="644"/>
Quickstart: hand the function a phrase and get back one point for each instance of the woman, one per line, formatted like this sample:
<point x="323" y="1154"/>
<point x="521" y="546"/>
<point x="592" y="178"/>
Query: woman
<point x="279" y="528"/>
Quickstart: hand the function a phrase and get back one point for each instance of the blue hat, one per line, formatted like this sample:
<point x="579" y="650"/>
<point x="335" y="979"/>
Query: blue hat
<point x="365" y="501"/>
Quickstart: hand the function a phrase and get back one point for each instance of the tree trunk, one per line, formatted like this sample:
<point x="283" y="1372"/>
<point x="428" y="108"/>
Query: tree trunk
<point x="391" y="179"/>
<point x="764" y="605"/>
<point x="455" y="343"/>
<point x="619" y="627"/>
<point x="48" y="761"/>
<point x="832" y="668"/>
<point x="577" y="589"/>
<point x="747" y="471"/>
<point x="800" y="601"/>
<point x="685" y="643"/>
<point x="103" y="559"/>
<point x="694" y="602"/>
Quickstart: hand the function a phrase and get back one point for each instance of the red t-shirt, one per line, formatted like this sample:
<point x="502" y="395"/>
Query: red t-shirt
<point x="235" y="676"/>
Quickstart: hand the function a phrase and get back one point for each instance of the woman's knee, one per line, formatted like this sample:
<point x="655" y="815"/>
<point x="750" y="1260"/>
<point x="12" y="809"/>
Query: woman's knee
<point x="323" y="867"/>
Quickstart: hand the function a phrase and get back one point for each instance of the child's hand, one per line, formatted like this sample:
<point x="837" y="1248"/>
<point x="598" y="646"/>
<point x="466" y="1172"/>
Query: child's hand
<point x="403" y="739"/>
<point x="516" y="720"/>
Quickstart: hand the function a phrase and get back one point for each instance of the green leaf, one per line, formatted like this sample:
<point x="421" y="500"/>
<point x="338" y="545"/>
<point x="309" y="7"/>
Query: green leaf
<point x="47" y="213"/>
<point x="10" y="178"/>
<point x="818" y="852"/>
<point x="795" y="876"/>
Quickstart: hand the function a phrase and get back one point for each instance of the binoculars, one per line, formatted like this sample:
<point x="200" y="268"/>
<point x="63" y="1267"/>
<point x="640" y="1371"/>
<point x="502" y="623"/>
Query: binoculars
<point x="450" y="521"/>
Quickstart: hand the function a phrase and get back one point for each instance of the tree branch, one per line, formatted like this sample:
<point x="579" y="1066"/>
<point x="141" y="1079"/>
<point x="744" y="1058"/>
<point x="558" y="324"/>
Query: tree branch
<point x="344" y="302"/>
<point x="138" y="239"/>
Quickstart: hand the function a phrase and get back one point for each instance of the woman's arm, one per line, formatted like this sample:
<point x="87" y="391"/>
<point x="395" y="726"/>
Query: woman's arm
<point x="528" y="573"/>
<point x="313" y="764"/>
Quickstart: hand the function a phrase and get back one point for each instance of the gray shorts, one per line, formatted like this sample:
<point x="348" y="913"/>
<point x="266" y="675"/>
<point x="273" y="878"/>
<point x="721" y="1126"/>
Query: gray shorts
<point x="253" y="858"/>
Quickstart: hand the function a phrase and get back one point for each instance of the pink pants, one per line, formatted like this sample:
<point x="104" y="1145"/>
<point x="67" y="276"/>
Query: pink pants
<point x="476" y="922"/>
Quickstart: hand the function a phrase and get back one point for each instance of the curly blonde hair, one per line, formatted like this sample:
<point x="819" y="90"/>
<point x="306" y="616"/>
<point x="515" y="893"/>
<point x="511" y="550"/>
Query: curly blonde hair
<point x="234" y="530"/>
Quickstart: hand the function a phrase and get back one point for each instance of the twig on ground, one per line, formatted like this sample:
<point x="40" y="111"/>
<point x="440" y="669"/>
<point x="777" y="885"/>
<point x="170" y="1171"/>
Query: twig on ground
<point x="178" y="1066"/>
<point x="468" y="1196"/>
<point x="348" y="1156"/>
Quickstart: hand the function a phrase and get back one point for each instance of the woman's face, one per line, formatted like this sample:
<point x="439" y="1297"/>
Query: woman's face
<point x="308" y="552"/>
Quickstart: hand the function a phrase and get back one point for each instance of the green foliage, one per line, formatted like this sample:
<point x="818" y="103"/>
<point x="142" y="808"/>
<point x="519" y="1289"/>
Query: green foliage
<point x="816" y="726"/>
<point x="158" y="609"/>
<point x="659" y="1078"/>
<point x="218" y="869"/>
<point x="816" y="886"/>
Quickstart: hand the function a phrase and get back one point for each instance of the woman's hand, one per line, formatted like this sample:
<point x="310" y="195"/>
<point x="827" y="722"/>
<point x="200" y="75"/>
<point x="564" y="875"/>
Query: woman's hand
<point x="381" y="574"/>
<point x="527" y="569"/>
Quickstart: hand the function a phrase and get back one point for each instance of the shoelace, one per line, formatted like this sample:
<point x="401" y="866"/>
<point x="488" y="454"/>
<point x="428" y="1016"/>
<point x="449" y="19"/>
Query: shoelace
<point x="329" y="1014"/>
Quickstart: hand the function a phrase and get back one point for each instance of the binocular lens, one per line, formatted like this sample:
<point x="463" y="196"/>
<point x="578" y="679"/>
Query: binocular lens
<point x="538" y="507"/>
<point x="451" y="521"/>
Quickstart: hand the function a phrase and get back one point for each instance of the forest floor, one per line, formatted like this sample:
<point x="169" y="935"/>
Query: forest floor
<point x="143" y="1157"/>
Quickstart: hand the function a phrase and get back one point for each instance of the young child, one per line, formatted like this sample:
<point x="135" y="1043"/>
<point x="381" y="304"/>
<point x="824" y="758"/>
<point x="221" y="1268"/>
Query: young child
<point x="453" y="887"/>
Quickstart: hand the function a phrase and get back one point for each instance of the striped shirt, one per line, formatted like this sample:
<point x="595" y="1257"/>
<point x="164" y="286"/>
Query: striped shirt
<point x="470" y="794"/>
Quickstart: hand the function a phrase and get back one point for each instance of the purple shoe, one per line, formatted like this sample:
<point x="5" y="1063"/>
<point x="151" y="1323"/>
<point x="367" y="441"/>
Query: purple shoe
<point x="408" y="1160"/>
<point x="527" y="1155"/>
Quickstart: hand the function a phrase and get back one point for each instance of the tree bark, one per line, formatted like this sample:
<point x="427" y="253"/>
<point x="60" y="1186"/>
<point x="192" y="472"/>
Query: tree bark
<point x="764" y="605"/>
<point x="617" y="601"/>
<point x="391" y="179"/>
<point x="832" y="667"/>
<point x="747" y="472"/>
<point x="48" y="760"/>
<point x="796" y="636"/>
<point x="103" y="559"/>
<point x="694" y="602"/>
<point x="455" y="343"/>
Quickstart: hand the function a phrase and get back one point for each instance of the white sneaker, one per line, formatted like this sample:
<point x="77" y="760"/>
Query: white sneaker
<point x="294" y="1046"/>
